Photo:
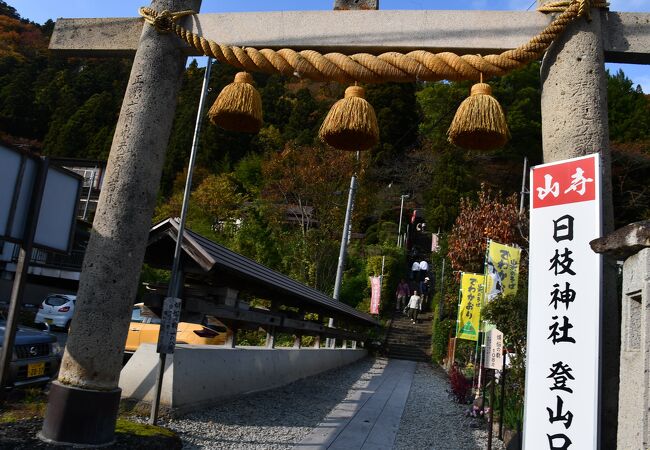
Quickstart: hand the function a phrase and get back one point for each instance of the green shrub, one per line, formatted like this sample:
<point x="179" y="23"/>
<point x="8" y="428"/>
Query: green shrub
<point x="354" y="288"/>
<point x="440" y="338"/>
<point x="509" y="315"/>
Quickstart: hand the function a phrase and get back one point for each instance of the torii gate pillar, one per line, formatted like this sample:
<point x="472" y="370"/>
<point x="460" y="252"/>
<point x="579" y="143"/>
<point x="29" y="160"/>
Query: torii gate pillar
<point x="574" y="123"/>
<point x="83" y="402"/>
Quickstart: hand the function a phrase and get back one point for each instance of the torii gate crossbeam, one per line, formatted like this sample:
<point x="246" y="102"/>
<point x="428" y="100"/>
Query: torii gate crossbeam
<point x="626" y="36"/>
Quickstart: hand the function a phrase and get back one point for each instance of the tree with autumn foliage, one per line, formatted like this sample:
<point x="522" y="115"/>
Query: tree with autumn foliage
<point x="311" y="182"/>
<point x="491" y="217"/>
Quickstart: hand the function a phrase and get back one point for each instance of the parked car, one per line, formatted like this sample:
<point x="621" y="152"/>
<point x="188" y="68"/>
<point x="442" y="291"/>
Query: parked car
<point x="56" y="310"/>
<point x="145" y="327"/>
<point x="36" y="356"/>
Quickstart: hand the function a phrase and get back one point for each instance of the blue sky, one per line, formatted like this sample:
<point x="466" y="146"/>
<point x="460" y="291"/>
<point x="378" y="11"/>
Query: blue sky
<point x="41" y="10"/>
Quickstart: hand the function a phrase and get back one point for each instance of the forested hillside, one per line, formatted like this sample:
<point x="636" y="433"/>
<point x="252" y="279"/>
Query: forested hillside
<point x="279" y="196"/>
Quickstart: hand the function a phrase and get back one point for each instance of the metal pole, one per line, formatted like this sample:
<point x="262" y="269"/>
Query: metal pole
<point x="453" y="352"/>
<point x="90" y="190"/>
<point x="474" y="375"/>
<point x="174" y="282"/>
<point x="22" y="268"/>
<point x="330" y="342"/>
<point x="344" y="238"/>
<point x="401" y="211"/>
<point x="491" y="419"/>
<point x="524" y="191"/>
<point x="441" y="302"/>
<point x="481" y="344"/>
<point x="503" y="396"/>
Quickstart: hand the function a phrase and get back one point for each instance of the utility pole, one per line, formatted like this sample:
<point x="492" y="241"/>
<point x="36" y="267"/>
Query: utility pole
<point x="345" y="238"/>
<point x="401" y="212"/>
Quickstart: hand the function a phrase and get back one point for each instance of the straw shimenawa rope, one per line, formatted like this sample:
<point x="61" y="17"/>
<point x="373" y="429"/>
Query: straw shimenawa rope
<point x="419" y="65"/>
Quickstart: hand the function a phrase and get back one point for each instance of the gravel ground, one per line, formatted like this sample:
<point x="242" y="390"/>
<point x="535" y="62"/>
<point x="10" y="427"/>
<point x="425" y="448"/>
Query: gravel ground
<point x="280" y="418"/>
<point x="275" y="419"/>
<point x="432" y="420"/>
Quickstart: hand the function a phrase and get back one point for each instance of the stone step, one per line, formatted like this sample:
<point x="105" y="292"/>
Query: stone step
<point x="412" y="340"/>
<point x="409" y="341"/>
<point x="407" y="338"/>
<point x="412" y="333"/>
<point x="407" y="344"/>
<point x="410" y="328"/>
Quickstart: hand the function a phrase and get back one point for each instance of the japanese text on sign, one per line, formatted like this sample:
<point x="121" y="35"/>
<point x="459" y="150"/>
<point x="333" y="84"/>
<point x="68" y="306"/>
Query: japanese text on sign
<point x="563" y="307"/>
<point x="469" y="311"/>
<point x="494" y="349"/>
<point x="171" y="315"/>
<point x="501" y="270"/>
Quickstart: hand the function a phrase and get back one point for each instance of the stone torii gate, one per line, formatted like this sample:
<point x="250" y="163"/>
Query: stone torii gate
<point x="83" y="401"/>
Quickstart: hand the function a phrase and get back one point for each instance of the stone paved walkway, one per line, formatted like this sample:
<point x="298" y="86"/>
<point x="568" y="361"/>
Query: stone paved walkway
<point x="369" y="418"/>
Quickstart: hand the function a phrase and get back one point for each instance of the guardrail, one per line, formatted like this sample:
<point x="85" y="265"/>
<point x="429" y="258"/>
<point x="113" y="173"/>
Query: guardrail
<point x="72" y="261"/>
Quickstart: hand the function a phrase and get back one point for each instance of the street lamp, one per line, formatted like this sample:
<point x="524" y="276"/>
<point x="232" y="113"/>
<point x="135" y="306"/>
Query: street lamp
<point x="401" y="210"/>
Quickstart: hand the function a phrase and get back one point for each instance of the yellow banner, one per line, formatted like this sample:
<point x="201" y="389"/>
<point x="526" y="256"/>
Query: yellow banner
<point x="469" y="312"/>
<point x="501" y="270"/>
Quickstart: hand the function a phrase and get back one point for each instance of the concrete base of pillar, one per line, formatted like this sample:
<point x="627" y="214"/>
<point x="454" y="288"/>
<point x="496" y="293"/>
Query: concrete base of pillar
<point x="81" y="417"/>
<point x="198" y="376"/>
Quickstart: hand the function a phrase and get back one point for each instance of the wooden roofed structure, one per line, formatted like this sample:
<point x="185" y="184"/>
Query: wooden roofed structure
<point x="215" y="275"/>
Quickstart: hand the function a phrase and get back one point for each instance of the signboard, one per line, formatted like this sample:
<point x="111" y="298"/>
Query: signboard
<point x="469" y="310"/>
<point x="56" y="218"/>
<point x="171" y="315"/>
<point x="17" y="176"/>
<point x="564" y="304"/>
<point x="494" y="349"/>
<point x="375" y="294"/>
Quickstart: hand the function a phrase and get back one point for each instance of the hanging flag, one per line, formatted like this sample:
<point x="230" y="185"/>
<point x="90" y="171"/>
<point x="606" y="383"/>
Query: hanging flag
<point x="471" y="297"/>
<point x="434" y="243"/>
<point x="501" y="270"/>
<point x="375" y="294"/>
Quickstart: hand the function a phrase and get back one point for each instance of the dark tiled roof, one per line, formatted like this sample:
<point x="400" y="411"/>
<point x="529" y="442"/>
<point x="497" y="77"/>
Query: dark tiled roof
<point x="248" y="275"/>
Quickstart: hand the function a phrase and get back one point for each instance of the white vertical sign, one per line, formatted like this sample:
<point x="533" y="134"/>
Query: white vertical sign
<point x="171" y="315"/>
<point x="494" y="349"/>
<point x="562" y="373"/>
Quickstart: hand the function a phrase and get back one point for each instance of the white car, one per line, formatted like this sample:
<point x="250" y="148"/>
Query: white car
<point x="57" y="310"/>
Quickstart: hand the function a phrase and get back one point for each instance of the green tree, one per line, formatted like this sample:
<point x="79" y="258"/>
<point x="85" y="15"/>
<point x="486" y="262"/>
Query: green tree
<point x="397" y="116"/>
<point x="628" y="108"/>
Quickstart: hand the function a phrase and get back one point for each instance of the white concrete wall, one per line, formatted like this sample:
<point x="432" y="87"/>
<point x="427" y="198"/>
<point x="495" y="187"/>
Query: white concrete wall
<point x="196" y="376"/>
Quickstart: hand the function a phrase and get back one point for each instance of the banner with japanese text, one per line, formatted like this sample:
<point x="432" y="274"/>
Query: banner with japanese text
<point x="469" y="310"/>
<point x="564" y="304"/>
<point x="375" y="294"/>
<point x="434" y="243"/>
<point x="501" y="270"/>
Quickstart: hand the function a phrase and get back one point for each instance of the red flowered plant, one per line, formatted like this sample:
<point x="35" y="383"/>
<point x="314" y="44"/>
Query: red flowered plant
<point x="461" y="386"/>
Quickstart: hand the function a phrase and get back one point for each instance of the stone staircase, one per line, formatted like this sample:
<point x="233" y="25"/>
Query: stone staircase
<point x="409" y="341"/>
